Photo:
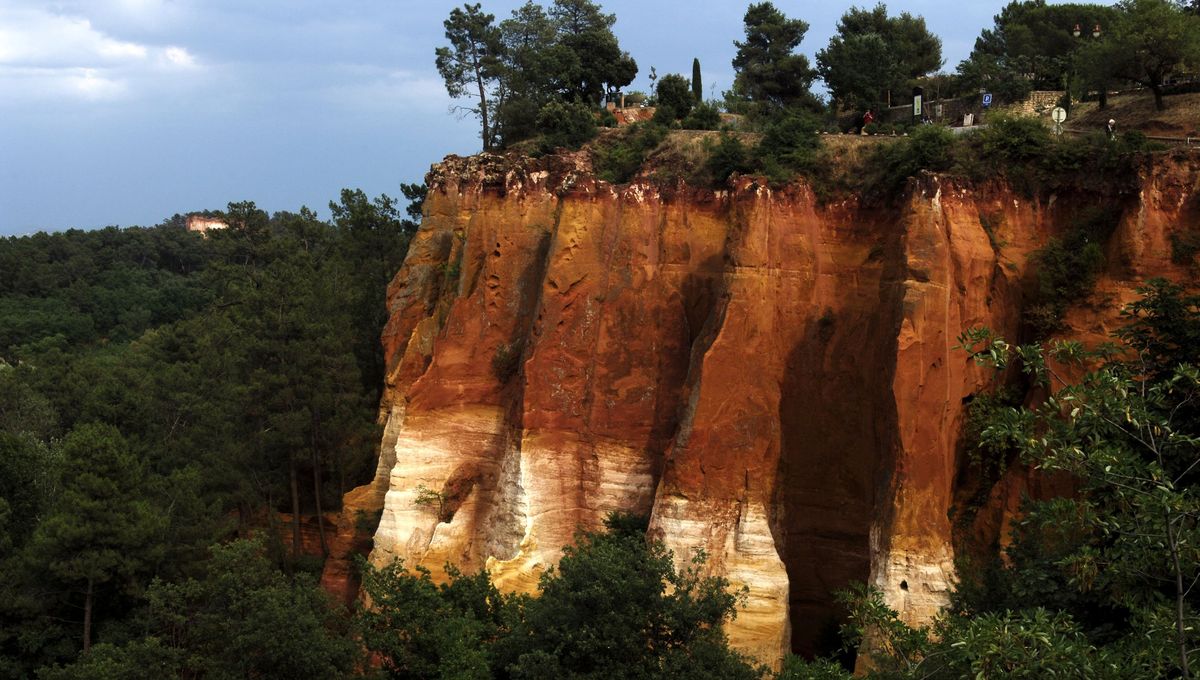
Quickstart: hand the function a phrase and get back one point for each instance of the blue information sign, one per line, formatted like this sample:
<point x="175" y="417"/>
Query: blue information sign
<point x="987" y="100"/>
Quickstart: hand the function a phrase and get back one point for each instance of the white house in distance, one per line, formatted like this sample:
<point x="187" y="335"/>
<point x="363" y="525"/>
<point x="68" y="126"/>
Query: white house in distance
<point x="203" y="223"/>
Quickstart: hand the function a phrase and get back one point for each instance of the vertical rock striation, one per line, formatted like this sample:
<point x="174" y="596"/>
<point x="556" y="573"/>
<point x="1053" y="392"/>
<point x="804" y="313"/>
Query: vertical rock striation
<point x="772" y="380"/>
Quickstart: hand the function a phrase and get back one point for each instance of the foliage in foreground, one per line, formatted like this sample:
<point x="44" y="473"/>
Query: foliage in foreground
<point x="1096" y="585"/>
<point x="615" y="606"/>
<point x="242" y="619"/>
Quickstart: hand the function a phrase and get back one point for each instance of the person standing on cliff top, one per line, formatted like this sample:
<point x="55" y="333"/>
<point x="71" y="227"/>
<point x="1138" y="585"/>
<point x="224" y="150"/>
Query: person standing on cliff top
<point x="868" y="118"/>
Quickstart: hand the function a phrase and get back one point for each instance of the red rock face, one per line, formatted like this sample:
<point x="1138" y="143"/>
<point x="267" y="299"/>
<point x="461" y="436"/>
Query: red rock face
<point x="771" y="380"/>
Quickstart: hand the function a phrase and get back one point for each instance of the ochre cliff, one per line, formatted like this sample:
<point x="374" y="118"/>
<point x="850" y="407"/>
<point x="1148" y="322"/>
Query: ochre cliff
<point x="773" y="380"/>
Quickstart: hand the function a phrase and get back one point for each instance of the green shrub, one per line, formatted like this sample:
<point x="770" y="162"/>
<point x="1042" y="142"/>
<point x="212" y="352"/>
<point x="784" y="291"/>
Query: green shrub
<point x="618" y="158"/>
<point x="930" y="147"/>
<point x="704" y="117"/>
<point x="796" y="668"/>
<point x="606" y="119"/>
<point x="789" y="145"/>
<point x="615" y="606"/>
<point x="728" y="156"/>
<point x="663" y="116"/>
<point x="1009" y="142"/>
<point x="565" y="124"/>
<point x="518" y="120"/>
<point x="990" y="224"/>
<point x="988" y="456"/>
<point x="1020" y="149"/>
<point x="1023" y="151"/>
<point x="1014" y="138"/>
<point x="1067" y="268"/>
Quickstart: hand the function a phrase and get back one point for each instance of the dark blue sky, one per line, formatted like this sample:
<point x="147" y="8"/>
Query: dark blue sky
<point x="128" y="111"/>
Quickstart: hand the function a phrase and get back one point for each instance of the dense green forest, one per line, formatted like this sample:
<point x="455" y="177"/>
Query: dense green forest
<point x="161" y="391"/>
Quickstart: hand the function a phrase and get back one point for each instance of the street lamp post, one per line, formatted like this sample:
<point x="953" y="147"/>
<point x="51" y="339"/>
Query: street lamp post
<point x="1077" y="31"/>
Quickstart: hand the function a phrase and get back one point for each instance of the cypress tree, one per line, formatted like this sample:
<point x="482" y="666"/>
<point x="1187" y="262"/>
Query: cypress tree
<point x="697" y="87"/>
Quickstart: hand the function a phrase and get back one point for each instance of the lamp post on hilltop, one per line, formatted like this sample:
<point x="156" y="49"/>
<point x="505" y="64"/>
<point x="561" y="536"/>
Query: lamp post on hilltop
<point x="1077" y="31"/>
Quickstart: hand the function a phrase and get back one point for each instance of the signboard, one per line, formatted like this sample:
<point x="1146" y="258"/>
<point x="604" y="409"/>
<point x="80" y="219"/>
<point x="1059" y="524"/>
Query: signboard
<point x="1059" y="114"/>
<point x="917" y="106"/>
<point x="987" y="99"/>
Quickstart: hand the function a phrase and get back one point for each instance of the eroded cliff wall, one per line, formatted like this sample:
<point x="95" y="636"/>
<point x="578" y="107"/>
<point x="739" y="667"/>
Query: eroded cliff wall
<point x="772" y="380"/>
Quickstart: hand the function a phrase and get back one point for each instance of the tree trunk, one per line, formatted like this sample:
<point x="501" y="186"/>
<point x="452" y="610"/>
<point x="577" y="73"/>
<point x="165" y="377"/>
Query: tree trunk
<point x="1180" y="634"/>
<point x="1104" y="96"/>
<point x="341" y="470"/>
<point x="296" y="546"/>
<point x="243" y="510"/>
<point x="87" y="614"/>
<point x="483" y="107"/>
<point x="317" y="496"/>
<point x="1159" y="104"/>
<point x="501" y="97"/>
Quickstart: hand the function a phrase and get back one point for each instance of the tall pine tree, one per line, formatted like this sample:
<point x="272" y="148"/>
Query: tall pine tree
<point x="101" y="532"/>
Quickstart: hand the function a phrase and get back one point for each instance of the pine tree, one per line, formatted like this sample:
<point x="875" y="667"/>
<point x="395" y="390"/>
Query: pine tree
<point x="101" y="530"/>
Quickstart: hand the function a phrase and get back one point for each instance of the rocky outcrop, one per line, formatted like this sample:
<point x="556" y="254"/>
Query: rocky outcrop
<point x="774" y="381"/>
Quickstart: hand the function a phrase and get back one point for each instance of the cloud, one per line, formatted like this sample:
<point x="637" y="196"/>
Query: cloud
<point x="180" y="57"/>
<point x="24" y="83"/>
<point x="122" y="15"/>
<point x="91" y="84"/>
<point x="42" y="39"/>
<point x="49" y="55"/>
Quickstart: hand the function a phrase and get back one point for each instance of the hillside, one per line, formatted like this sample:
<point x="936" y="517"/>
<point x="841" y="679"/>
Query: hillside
<point x="1136" y="112"/>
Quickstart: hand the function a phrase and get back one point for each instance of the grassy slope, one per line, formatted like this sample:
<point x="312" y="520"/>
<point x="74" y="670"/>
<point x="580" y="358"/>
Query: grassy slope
<point x="1136" y="112"/>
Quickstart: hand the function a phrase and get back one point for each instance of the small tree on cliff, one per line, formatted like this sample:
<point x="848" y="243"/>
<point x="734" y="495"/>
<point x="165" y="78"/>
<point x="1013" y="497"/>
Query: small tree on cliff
<point x="598" y="65"/>
<point x="674" y="97"/>
<point x="873" y="56"/>
<point x="470" y="65"/>
<point x="769" y="71"/>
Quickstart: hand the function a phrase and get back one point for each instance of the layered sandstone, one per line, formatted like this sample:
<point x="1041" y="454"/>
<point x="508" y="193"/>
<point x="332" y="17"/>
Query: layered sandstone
<point x="773" y="380"/>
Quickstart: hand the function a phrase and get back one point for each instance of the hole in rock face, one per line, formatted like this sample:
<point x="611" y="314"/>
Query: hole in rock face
<point x="904" y="585"/>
